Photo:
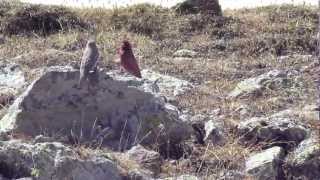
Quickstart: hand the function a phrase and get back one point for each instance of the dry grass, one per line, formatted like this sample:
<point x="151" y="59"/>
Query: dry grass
<point x="242" y="44"/>
<point x="210" y="161"/>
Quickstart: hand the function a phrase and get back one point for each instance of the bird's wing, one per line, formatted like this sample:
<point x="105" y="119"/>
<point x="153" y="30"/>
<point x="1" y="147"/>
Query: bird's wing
<point x="133" y="66"/>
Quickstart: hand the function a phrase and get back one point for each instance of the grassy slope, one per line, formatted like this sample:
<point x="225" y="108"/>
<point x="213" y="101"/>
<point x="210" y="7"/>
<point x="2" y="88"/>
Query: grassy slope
<point x="242" y="44"/>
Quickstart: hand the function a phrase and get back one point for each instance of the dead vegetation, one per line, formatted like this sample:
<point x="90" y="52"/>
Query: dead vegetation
<point x="241" y="44"/>
<point x="42" y="20"/>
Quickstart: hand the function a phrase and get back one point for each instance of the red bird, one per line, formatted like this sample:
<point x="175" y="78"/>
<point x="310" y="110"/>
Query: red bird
<point x="127" y="59"/>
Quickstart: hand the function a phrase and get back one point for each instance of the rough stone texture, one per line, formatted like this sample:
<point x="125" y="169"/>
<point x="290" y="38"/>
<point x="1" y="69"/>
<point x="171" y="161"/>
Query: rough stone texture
<point x="214" y="132"/>
<point x="11" y="81"/>
<point x="148" y="159"/>
<point x="137" y="174"/>
<point x="155" y="83"/>
<point x="304" y="161"/>
<point x="254" y="86"/>
<point x="228" y="175"/>
<point x="112" y="112"/>
<point x="182" y="177"/>
<point x="244" y="111"/>
<point x="11" y="75"/>
<point x="266" y="165"/>
<point x="278" y="127"/>
<point x="185" y="53"/>
<point x="310" y="112"/>
<point x="53" y="161"/>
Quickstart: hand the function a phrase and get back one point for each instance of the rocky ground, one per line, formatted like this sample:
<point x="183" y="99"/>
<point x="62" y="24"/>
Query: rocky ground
<point x="222" y="97"/>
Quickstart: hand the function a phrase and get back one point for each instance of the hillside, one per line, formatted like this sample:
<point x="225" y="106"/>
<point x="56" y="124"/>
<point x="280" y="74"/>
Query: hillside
<point x="270" y="50"/>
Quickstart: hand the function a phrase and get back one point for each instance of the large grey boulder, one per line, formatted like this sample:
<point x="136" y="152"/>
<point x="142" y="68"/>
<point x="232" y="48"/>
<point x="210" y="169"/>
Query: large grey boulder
<point x="53" y="161"/>
<point x="112" y="113"/>
<point x="254" y="86"/>
<point x="266" y="165"/>
<point x="304" y="161"/>
<point x="155" y="83"/>
<point x="280" y="127"/>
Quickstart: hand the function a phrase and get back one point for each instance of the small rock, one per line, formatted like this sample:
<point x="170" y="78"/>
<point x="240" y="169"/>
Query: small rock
<point x="138" y="174"/>
<point x="182" y="177"/>
<point x="254" y="86"/>
<point x="276" y="128"/>
<point x="301" y="58"/>
<point x="310" y="112"/>
<point x="182" y="59"/>
<point x="304" y="161"/>
<point x="42" y="139"/>
<point x="214" y="133"/>
<point x="12" y="80"/>
<point x="11" y="76"/>
<point x="244" y="111"/>
<point x="266" y="165"/>
<point x="185" y="53"/>
<point x="228" y="174"/>
<point x="7" y="95"/>
<point x="150" y="160"/>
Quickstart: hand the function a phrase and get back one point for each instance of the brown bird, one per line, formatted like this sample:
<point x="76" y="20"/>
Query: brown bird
<point x="127" y="59"/>
<point x="89" y="61"/>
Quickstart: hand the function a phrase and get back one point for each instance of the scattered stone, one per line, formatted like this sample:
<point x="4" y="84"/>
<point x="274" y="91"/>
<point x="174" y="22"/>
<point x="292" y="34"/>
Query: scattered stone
<point x="228" y="175"/>
<point x="182" y="177"/>
<point x="7" y="96"/>
<point x="244" y="111"/>
<point x="42" y="139"/>
<point x="276" y="128"/>
<point x="304" y="161"/>
<point x="182" y="59"/>
<point x="185" y="53"/>
<point x="214" y="133"/>
<point x="138" y="175"/>
<point x="310" y="112"/>
<point x="254" y="86"/>
<point x="53" y="161"/>
<point x="150" y="160"/>
<point x="113" y="113"/>
<point x="299" y="57"/>
<point x="266" y="165"/>
<point x="11" y="82"/>
<point x="11" y="76"/>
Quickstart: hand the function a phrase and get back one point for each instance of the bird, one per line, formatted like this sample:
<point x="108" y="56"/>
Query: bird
<point x="89" y="61"/>
<point x="127" y="59"/>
